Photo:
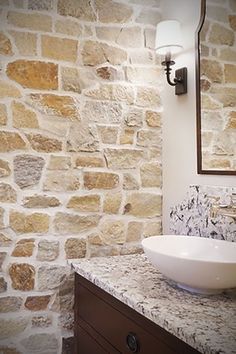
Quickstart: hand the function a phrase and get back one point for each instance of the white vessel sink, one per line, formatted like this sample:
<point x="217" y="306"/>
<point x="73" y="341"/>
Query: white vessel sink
<point x="197" y="264"/>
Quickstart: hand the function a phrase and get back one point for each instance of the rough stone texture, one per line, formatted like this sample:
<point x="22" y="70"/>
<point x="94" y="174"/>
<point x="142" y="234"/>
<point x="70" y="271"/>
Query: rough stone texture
<point x="55" y="105"/>
<point x="65" y="223"/>
<point x="149" y="138"/>
<point x="31" y="223"/>
<point x="143" y="205"/>
<point x="212" y="69"/>
<point x="22" y="276"/>
<point x="71" y="80"/>
<point x="5" y="45"/>
<point x="95" y="53"/>
<point x="59" y="162"/>
<point x="65" y="181"/>
<point x="228" y="54"/>
<point x="231" y="124"/>
<point x="115" y="92"/>
<point x="12" y="327"/>
<point x="7" y="193"/>
<point x="123" y="158"/>
<point x="112" y="12"/>
<point x="34" y="74"/>
<point x="153" y="119"/>
<point x="3" y="285"/>
<point x="112" y="203"/>
<point x="7" y="89"/>
<point x="3" y="114"/>
<point x="102" y="112"/>
<point x="100" y="180"/>
<point x="24" y="248"/>
<point x="221" y="35"/>
<point x="151" y="174"/>
<point x="152" y="229"/>
<point x="85" y="203"/>
<point x="75" y="248"/>
<point x="112" y="232"/>
<point x="33" y="21"/>
<point x="42" y="143"/>
<point x="40" y="5"/>
<point x="40" y="201"/>
<point x="23" y="117"/>
<point x="109" y="73"/>
<point x="82" y="137"/>
<point x="147" y="97"/>
<point x="130" y="37"/>
<point x="27" y="170"/>
<point x="143" y="75"/>
<point x="69" y="27"/>
<point x="230" y="73"/>
<point x="51" y="276"/>
<point x="108" y="134"/>
<point x="41" y="343"/>
<point x="89" y="161"/>
<point x="10" y="304"/>
<point x="41" y="321"/>
<point x="134" y="231"/>
<point x="5" y="240"/>
<point x="52" y="48"/>
<point x="2" y="223"/>
<point x="47" y="250"/>
<point x="127" y="136"/>
<point x="134" y="117"/>
<point x="130" y="182"/>
<point x="37" y="303"/>
<point x="2" y="258"/>
<point x="25" y="42"/>
<point x="10" y="141"/>
<point x="232" y="21"/>
<point x="149" y="16"/>
<point x="80" y="10"/>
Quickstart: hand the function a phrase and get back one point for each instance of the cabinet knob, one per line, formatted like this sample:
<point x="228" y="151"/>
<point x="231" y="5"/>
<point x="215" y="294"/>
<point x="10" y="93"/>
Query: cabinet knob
<point x="132" y="343"/>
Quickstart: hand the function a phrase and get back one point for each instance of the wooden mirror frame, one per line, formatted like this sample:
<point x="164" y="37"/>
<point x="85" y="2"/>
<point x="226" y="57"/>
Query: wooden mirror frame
<point x="198" y="100"/>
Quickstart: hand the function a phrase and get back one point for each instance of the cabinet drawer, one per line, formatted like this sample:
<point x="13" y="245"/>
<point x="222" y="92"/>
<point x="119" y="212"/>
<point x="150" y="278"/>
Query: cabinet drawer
<point x="125" y="335"/>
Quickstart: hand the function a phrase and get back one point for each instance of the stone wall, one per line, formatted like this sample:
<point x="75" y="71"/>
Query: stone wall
<point x="80" y="145"/>
<point x="218" y="86"/>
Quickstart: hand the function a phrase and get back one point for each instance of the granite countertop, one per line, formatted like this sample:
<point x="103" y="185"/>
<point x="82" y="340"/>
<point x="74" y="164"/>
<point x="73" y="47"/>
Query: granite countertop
<point x="207" y="323"/>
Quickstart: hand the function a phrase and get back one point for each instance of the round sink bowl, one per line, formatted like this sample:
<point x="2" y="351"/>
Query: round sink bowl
<point x="197" y="264"/>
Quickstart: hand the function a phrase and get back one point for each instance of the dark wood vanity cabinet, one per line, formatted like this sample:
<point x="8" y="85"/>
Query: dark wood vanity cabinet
<point x="103" y="324"/>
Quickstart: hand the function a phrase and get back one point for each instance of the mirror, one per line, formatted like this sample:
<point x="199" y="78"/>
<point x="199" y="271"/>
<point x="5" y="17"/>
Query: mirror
<point x="216" y="87"/>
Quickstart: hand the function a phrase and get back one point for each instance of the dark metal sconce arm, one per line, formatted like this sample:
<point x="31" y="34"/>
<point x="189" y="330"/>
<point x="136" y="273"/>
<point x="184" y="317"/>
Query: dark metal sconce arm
<point x="180" y="81"/>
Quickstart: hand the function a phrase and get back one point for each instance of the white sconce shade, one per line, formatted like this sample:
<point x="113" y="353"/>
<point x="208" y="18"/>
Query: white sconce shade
<point x="168" y="37"/>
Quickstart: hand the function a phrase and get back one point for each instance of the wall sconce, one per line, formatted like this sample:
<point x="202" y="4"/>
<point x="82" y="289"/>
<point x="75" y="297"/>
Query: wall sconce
<point x="168" y="42"/>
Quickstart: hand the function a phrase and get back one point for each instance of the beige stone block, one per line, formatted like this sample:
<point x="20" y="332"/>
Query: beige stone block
<point x="231" y="124"/>
<point x="215" y="163"/>
<point x="131" y="249"/>
<point x="52" y="277"/>
<point x="2" y="259"/>
<point x="69" y="27"/>
<point x="10" y="327"/>
<point x="130" y="37"/>
<point x="230" y="73"/>
<point x="52" y="48"/>
<point x="112" y="232"/>
<point x="148" y="97"/>
<point x="27" y="170"/>
<point x="59" y="162"/>
<point x="152" y="228"/>
<point x="232" y="5"/>
<point x="225" y="143"/>
<point x="100" y="180"/>
<point x="25" y="42"/>
<point x="37" y="303"/>
<point x="103" y="92"/>
<point x="95" y="239"/>
<point x="130" y="182"/>
<point x="32" y="21"/>
<point x="143" y="75"/>
<point x="149" y="38"/>
<point x="206" y="138"/>
<point x="149" y="16"/>
<point x="10" y="141"/>
<point x="24" y="248"/>
<point x="85" y="203"/>
<point x="217" y="13"/>
<point x="41" y="5"/>
<point x="112" y="202"/>
<point x="10" y="304"/>
<point x="134" y="231"/>
<point x="204" y="50"/>
<point x="81" y="10"/>
<point x="40" y="201"/>
<point x="205" y="85"/>
<point x="95" y="53"/>
<point x="8" y="90"/>
<point x="89" y="161"/>
<point x="141" y="56"/>
<point x="143" y="205"/>
<point x="70" y="79"/>
<point x="123" y="93"/>
<point x="104" y="251"/>
<point x="123" y="158"/>
<point x="23" y="117"/>
<point x="18" y="4"/>
<point x="112" y="12"/>
<point x="22" y="276"/>
<point x="221" y="35"/>
<point x="232" y="21"/>
<point x="108" y="134"/>
<point x="109" y="34"/>
<point x="75" y="248"/>
<point x="55" y="106"/>
<point x="7" y="193"/>
<point x="2" y="212"/>
<point x="102" y="112"/>
<point x="4" y="168"/>
<point x="47" y="251"/>
<point x="147" y="138"/>
<point x="109" y="73"/>
<point x="41" y="342"/>
<point x="212" y="121"/>
<point x="153" y="119"/>
<point x="227" y="54"/>
<point x="151" y="175"/>
<point x="207" y="102"/>
<point x="43" y="143"/>
<point x="3" y="287"/>
<point x="212" y="69"/>
<point x="29" y="223"/>
<point x="82" y="137"/>
<point x="5" y="3"/>
<point x="64" y="181"/>
<point x="3" y="114"/>
<point x="134" y="117"/>
<point x="34" y="74"/>
<point x="65" y="223"/>
<point x="5" y="45"/>
<point x="41" y="321"/>
<point x="127" y="136"/>
<point x="225" y="95"/>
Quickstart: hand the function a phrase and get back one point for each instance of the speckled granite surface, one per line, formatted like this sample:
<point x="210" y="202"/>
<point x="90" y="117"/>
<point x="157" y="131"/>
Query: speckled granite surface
<point x="207" y="323"/>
